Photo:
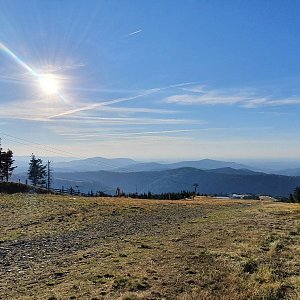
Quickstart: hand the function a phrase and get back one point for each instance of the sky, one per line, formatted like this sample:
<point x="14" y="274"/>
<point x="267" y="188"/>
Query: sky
<point x="151" y="80"/>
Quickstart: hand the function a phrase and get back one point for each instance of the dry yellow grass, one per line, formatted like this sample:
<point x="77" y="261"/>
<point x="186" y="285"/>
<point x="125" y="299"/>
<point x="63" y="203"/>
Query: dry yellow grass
<point x="54" y="247"/>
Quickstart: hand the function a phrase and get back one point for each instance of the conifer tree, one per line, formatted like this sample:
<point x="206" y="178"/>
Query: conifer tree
<point x="296" y="195"/>
<point x="37" y="171"/>
<point x="7" y="164"/>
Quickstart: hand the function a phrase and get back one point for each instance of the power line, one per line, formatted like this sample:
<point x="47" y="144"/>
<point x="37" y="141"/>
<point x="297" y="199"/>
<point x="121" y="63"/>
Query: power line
<point x="55" y="150"/>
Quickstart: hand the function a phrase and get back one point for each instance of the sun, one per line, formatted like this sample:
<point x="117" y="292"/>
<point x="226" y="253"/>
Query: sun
<point x="49" y="84"/>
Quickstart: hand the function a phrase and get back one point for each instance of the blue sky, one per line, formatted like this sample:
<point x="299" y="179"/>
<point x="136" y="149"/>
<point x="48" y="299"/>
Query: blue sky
<point x="163" y="80"/>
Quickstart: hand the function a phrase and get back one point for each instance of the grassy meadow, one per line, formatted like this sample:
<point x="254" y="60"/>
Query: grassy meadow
<point x="64" y="247"/>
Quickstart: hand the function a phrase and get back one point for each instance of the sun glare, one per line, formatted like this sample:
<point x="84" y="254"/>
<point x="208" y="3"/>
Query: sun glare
<point x="49" y="84"/>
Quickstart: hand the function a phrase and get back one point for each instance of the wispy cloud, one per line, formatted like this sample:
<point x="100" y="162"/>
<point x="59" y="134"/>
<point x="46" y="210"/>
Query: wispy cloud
<point x="276" y="113"/>
<point x="135" y="32"/>
<point x="132" y="110"/>
<point x="32" y="109"/>
<point x="152" y="132"/>
<point x="199" y="95"/>
<point x="54" y="69"/>
<point x="97" y="105"/>
<point x="94" y="106"/>
<point x="127" y="121"/>
<point x="118" y="135"/>
<point x="269" y="102"/>
<point x="113" y="133"/>
<point x="195" y="89"/>
<point x="208" y="99"/>
<point x="15" y="78"/>
<point x="39" y="108"/>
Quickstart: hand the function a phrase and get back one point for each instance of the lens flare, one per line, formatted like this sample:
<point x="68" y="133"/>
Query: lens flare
<point x="49" y="84"/>
<point x="18" y="60"/>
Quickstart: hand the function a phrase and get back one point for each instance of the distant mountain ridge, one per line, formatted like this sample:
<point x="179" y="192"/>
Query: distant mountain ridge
<point x="224" y="180"/>
<point x="128" y="165"/>
<point x="78" y="165"/>
<point x="207" y="164"/>
<point x="228" y="170"/>
<point x="217" y="181"/>
<point x="203" y="164"/>
<point x="289" y="172"/>
<point x="94" y="164"/>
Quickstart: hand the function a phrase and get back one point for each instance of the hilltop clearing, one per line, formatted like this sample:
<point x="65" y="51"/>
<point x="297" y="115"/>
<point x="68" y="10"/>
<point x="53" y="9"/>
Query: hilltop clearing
<point x="59" y="247"/>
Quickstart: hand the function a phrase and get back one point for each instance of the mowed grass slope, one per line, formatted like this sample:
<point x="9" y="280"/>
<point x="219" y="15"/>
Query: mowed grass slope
<point x="59" y="247"/>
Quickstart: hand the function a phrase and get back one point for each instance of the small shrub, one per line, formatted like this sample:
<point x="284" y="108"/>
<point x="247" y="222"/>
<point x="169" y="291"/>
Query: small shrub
<point x="120" y="283"/>
<point x="144" y="246"/>
<point x="250" y="266"/>
<point x="130" y="284"/>
<point x="138" y="285"/>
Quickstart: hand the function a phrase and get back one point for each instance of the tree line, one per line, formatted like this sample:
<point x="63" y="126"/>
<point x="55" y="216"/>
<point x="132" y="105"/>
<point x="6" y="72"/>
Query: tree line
<point x="294" y="197"/>
<point x="38" y="173"/>
<point x="6" y="164"/>
<point x="164" y="196"/>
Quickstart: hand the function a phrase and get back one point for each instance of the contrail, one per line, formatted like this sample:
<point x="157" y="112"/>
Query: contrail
<point x="96" y="105"/>
<point x="151" y="132"/>
<point x="135" y="32"/>
<point x="118" y="100"/>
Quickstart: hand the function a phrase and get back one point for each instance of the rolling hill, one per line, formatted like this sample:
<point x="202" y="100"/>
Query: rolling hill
<point x="290" y="172"/>
<point x="124" y="165"/>
<point x="203" y="164"/>
<point x="213" y="177"/>
<point x="218" y="181"/>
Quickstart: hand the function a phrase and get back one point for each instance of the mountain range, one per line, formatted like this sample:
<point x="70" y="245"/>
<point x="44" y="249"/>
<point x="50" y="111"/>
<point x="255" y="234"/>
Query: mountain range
<point x="63" y="164"/>
<point x="125" y="165"/>
<point x="215" y="181"/>
<point x="212" y="176"/>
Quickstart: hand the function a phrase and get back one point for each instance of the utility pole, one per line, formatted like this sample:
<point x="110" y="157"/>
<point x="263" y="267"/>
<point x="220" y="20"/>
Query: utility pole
<point x="49" y="179"/>
<point x="195" y="191"/>
<point x="1" y="174"/>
